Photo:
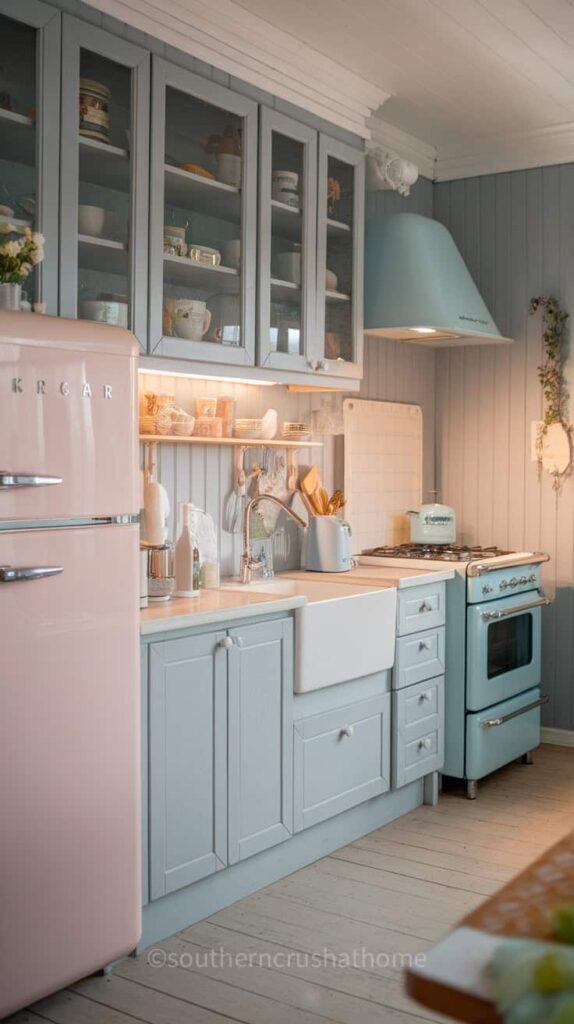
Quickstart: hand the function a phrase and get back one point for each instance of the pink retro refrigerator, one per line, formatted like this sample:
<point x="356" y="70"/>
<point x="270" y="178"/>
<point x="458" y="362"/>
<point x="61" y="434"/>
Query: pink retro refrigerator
<point x="69" y="674"/>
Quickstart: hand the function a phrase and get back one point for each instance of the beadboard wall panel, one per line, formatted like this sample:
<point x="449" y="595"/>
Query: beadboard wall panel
<point x="516" y="232"/>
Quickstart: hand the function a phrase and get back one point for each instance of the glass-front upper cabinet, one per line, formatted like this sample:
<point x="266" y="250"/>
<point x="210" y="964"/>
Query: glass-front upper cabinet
<point x="29" y="120"/>
<point x="104" y="178"/>
<point x="287" y="241"/>
<point x="203" y="219"/>
<point x="340" y="219"/>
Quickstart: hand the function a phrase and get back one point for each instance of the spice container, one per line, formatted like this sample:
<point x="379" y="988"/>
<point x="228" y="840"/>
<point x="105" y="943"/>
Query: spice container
<point x="224" y="410"/>
<point x="206" y="406"/>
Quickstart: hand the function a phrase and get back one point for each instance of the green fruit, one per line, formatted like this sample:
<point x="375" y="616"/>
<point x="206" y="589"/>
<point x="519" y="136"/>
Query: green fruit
<point x="562" y="922"/>
<point x="554" y="972"/>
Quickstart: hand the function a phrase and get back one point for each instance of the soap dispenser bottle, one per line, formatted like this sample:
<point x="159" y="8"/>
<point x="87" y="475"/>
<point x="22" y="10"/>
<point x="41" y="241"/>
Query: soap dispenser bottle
<point x="186" y="558"/>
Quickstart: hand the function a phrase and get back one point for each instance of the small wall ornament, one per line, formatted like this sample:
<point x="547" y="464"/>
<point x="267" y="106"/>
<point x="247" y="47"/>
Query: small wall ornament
<point x="554" y="443"/>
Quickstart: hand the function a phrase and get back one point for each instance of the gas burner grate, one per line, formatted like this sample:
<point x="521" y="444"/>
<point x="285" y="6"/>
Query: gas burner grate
<point x="437" y="552"/>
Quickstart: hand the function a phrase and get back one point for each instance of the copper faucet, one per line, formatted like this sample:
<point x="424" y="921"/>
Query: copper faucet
<point x="249" y="564"/>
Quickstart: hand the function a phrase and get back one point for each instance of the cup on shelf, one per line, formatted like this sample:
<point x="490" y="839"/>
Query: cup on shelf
<point x="285" y="188"/>
<point x="174" y="240"/>
<point x="288" y="267"/>
<point x="191" y="319"/>
<point x="91" y="220"/>
<point x="105" y="311"/>
<point x="229" y="169"/>
<point x="231" y="251"/>
<point x="331" y="280"/>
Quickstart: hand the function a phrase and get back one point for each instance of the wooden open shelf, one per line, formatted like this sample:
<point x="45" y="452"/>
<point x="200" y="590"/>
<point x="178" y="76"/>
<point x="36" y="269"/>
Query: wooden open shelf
<point x="231" y="442"/>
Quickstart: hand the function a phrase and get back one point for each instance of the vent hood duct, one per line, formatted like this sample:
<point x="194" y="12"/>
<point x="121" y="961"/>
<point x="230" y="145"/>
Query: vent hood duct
<point x="418" y="287"/>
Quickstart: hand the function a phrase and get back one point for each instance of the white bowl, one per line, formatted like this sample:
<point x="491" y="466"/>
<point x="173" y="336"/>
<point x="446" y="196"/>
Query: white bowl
<point x="91" y="220"/>
<point x="105" y="312"/>
<point x="331" y="280"/>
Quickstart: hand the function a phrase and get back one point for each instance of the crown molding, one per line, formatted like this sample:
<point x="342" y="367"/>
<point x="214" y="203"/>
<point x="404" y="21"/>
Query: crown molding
<point x="389" y="137"/>
<point x="235" y="41"/>
<point x="514" y="152"/>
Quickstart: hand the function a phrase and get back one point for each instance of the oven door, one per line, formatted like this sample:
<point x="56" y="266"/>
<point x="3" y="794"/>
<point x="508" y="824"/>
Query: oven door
<point x="503" y="648"/>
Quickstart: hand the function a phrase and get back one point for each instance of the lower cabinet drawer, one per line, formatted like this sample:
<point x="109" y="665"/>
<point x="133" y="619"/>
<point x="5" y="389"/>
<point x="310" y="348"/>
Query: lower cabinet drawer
<point x="421" y="608"/>
<point x="341" y="758"/>
<point x="499" y="734"/>
<point x="418" y="731"/>
<point x="420" y="656"/>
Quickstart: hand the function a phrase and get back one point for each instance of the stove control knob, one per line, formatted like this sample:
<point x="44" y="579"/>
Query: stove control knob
<point x="514" y="582"/>
<point x="503" y="584"/>
<point x="487" y="589"/>
<point x="523" y="580"/>
<point x="532" y="577"/>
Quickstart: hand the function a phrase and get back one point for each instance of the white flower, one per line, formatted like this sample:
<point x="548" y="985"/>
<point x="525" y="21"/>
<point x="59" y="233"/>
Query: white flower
<point x="12" y="248"/>
<point x="37" y="255"/>
<point x="7" y="229"/>
<point x="38" y="239"/>
<point x="25" y="269"/>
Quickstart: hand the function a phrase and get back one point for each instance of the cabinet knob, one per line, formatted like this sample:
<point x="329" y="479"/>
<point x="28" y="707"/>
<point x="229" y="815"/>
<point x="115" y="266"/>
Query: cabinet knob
<point x="425" y="607"/>
<point x="424" y="645"/>
<point x="425" y="744"/>
<point x="226" y="642"/>
<point x="347" y="730"/>
<point x="425" y="696"/>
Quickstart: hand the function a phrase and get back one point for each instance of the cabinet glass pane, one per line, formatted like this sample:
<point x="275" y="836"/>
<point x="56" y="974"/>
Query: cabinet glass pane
<point x="287" y="260"/>
<point x="339" y="343"/>
<point x="203" y="230"/>
<point x="18" y="156"/>
<point x="104" y="196"/>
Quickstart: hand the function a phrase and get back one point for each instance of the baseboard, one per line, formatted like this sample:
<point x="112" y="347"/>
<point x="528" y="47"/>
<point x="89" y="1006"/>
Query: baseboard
<point x="557" y="737"/>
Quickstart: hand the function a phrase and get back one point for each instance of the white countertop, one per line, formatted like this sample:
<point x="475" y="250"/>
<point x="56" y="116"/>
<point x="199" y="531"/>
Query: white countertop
<point x="378" y="576"/>
<point x="214" y="607"/>
<point x="211" y="608"/>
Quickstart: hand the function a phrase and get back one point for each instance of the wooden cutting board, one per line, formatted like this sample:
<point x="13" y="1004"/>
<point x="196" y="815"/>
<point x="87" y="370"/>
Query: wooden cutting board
<point x="453" y="979"/>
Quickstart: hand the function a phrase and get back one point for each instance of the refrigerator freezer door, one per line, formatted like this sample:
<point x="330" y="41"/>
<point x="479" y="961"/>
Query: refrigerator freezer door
<point x="67" y="412"/>
<point x="69" y="758"/>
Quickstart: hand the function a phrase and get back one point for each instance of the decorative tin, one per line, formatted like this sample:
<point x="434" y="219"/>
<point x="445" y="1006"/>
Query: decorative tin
<point x="94" y="110"/>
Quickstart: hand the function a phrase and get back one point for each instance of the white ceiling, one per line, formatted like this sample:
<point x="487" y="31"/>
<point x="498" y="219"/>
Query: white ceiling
<point x="458" y="70"/>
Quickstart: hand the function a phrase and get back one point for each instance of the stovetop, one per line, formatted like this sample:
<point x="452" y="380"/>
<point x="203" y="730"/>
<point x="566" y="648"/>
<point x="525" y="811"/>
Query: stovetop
<point x="437" y="552"/>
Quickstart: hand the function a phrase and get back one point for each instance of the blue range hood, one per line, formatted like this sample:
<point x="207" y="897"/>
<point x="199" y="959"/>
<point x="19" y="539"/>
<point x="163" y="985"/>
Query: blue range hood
<point x="418" y="287"/>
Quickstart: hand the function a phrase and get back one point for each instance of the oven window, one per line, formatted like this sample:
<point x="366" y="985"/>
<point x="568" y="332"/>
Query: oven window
<point x="509" y="645"/>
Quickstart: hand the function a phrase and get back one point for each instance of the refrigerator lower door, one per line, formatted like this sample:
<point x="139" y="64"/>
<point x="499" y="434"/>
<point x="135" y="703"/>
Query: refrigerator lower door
<point x="69" y="757"/>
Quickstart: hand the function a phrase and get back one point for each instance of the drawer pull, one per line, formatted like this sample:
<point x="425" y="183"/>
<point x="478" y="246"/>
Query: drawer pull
<point x="425" y="744"/>
<point x="427" y="695"/>
<point x="425" y="607"/>
<point x="226" y="643"/>
<point x="424" y="645"/>
<point x="347" y="730"/>
<point x="492" y="722"/>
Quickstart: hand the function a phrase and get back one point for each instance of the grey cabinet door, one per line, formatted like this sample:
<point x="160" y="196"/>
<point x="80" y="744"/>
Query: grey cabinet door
<point x="287" y="242"/>
<point x="30" y="36"/>
<point x="340" y="241"/>
<point x="104" y="181"/>
<point x="187" y="761"/>
<point x="203" y="188"/>
<point x="260" y="784"/>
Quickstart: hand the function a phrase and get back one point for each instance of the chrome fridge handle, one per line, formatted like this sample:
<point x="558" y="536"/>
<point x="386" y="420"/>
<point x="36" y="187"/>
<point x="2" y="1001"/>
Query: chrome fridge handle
<point x="491" y="722"/>
<point x="8" y="574"/>
<point x="27" y="479"/>
<point x="503" y="614"/>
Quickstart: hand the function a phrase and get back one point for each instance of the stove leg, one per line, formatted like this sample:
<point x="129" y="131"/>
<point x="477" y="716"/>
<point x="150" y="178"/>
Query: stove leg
<point x="471" y="789"/>
<point x="527" y="758"/>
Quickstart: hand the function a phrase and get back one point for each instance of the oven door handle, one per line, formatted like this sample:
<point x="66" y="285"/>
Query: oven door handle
<point x="491" y="722"/>
<point x="504" y="613"/>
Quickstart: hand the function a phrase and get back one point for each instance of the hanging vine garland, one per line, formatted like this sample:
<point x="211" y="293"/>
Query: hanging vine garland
<point x="554" y="440"/>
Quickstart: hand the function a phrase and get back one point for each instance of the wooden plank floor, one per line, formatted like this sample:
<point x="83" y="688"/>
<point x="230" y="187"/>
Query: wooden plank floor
<point x="327" y="943"/>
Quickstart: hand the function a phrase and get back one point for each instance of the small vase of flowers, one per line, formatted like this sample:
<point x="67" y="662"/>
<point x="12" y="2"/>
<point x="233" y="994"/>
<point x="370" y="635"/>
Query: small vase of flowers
<point x="21" y="249"/>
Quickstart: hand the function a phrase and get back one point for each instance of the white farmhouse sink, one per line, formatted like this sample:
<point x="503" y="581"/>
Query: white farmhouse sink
<point x="342" y="632"/>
